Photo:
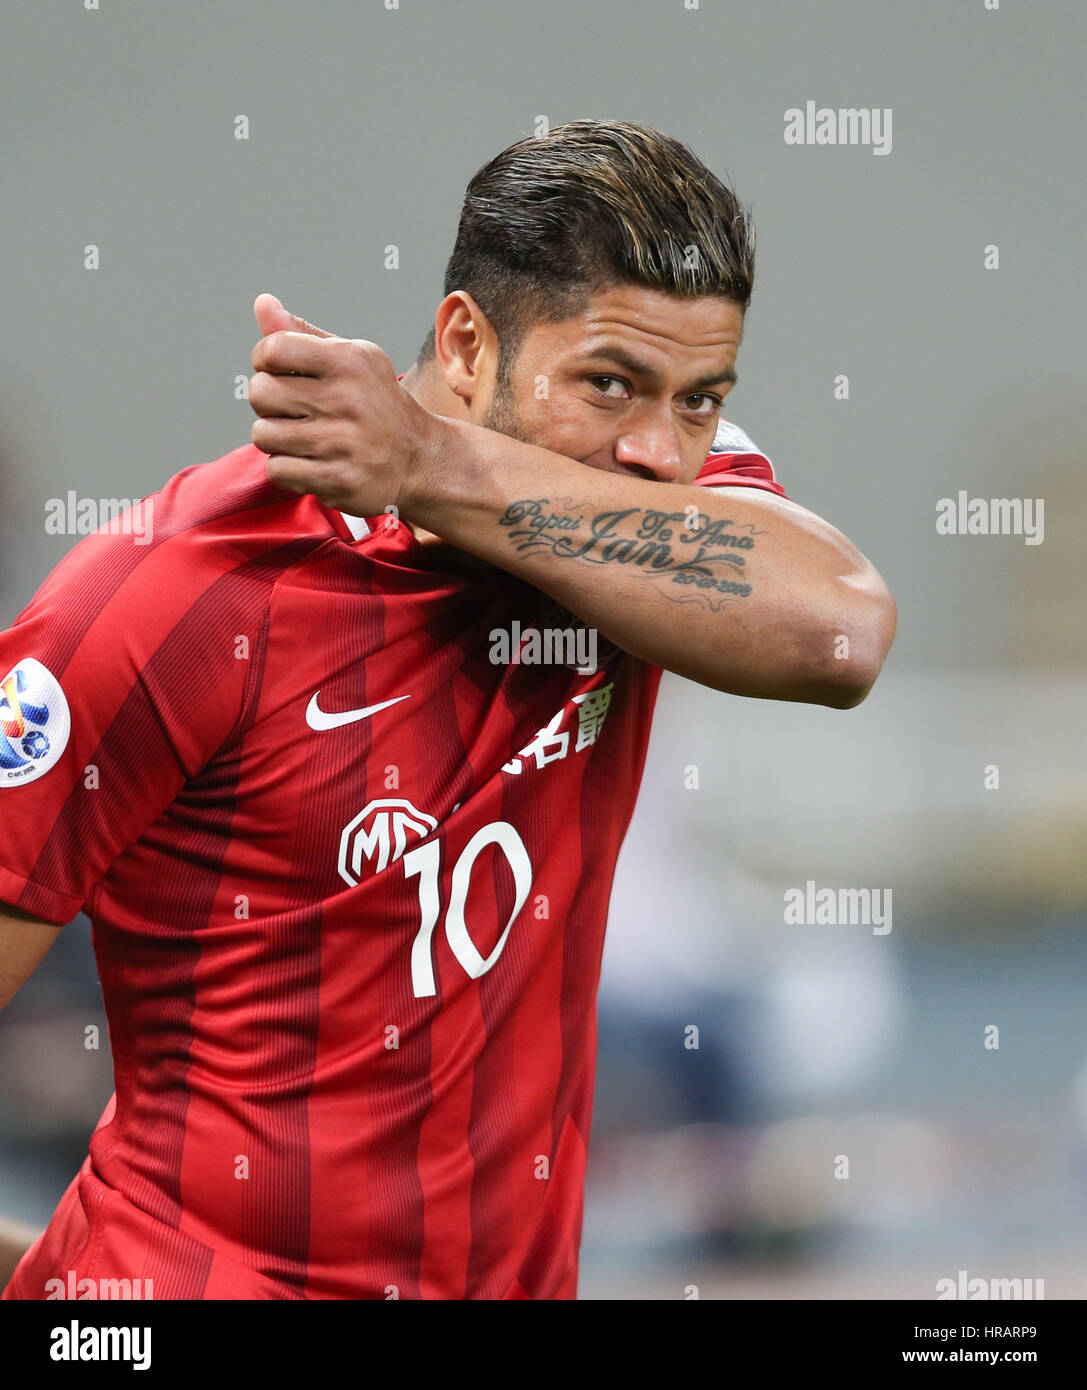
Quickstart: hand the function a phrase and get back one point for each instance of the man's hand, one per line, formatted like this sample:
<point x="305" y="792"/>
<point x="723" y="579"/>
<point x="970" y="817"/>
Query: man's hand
<point x="333" y="416"/>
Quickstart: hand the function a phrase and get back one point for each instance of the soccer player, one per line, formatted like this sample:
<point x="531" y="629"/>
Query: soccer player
<point x="340" y="761"/>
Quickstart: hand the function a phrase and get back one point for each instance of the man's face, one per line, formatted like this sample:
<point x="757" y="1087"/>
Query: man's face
<point x="633" y="384"/>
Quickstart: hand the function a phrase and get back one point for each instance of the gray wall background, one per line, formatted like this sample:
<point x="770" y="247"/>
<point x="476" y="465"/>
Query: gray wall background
<point x="365" y="125"/>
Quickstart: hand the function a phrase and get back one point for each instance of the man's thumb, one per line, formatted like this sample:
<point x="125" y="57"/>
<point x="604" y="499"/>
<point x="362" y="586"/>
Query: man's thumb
<point x="273" y="318"/>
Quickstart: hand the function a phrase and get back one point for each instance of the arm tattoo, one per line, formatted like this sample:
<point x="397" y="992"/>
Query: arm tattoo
<point x="685" y="548"/>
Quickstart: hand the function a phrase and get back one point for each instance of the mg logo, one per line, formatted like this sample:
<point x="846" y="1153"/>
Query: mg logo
<point x="379" y="834"/>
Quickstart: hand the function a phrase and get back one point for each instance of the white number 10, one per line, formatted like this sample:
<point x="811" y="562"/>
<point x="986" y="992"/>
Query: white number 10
<point x="424" y="862"/>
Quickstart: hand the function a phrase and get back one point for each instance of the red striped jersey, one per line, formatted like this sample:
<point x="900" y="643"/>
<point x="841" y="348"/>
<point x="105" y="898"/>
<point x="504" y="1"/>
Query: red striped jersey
<point x="348" y="877"/>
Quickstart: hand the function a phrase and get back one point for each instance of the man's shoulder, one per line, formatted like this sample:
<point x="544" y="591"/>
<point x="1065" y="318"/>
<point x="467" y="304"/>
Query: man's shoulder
<point x="206" y="521"/>
<point x="234" y="496"/>
<point x="219" y="514"/>
<point x="735" y="460"/>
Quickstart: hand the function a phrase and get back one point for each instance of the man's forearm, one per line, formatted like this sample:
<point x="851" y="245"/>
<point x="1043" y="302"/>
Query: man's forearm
<point x="746" y="593"/>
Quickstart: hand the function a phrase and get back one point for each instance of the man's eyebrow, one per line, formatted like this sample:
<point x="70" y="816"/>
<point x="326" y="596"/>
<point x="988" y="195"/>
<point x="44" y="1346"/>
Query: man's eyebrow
<point x="619" y="356"/>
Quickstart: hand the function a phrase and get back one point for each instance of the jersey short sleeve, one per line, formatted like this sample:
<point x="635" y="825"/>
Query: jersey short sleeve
<point x="735" y="461"/>
<point x="119" y="680"/>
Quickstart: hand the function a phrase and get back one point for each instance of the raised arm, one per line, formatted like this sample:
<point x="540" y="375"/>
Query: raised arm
<point x="739" y="590"/>
<point x="752" y="595"/>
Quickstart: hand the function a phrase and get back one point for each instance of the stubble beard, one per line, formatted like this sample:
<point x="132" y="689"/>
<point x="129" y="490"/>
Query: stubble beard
<point x="501" y="415"/>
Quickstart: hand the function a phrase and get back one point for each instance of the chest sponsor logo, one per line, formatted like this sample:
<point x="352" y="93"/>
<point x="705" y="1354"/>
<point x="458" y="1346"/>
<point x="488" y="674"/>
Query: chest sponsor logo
<point x="380" y="834"/>
<point x="553" y="742"/>
<point x="35" y="722"/>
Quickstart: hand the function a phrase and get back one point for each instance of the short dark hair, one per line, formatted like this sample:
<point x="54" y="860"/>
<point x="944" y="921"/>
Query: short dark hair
<point x="591" y="205"/>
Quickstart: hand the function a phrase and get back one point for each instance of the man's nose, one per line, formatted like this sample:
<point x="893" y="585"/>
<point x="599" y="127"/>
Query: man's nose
<point x="651" y="450"/>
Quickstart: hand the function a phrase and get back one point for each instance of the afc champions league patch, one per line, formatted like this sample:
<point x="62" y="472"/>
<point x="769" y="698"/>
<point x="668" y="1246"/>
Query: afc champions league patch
<point x="35" y="722"/>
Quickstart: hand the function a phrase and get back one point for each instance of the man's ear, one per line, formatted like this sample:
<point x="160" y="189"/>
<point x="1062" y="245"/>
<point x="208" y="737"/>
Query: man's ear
<point x="465" y="346"/>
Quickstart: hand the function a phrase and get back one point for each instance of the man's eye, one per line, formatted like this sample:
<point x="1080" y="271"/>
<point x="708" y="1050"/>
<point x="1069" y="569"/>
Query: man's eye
<point x="603" y="382"/>
<point x="710" y="404"/>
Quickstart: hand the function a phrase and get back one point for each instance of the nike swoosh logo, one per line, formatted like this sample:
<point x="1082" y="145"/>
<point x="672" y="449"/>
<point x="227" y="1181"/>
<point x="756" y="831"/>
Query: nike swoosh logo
<point x="317" y="718"/>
